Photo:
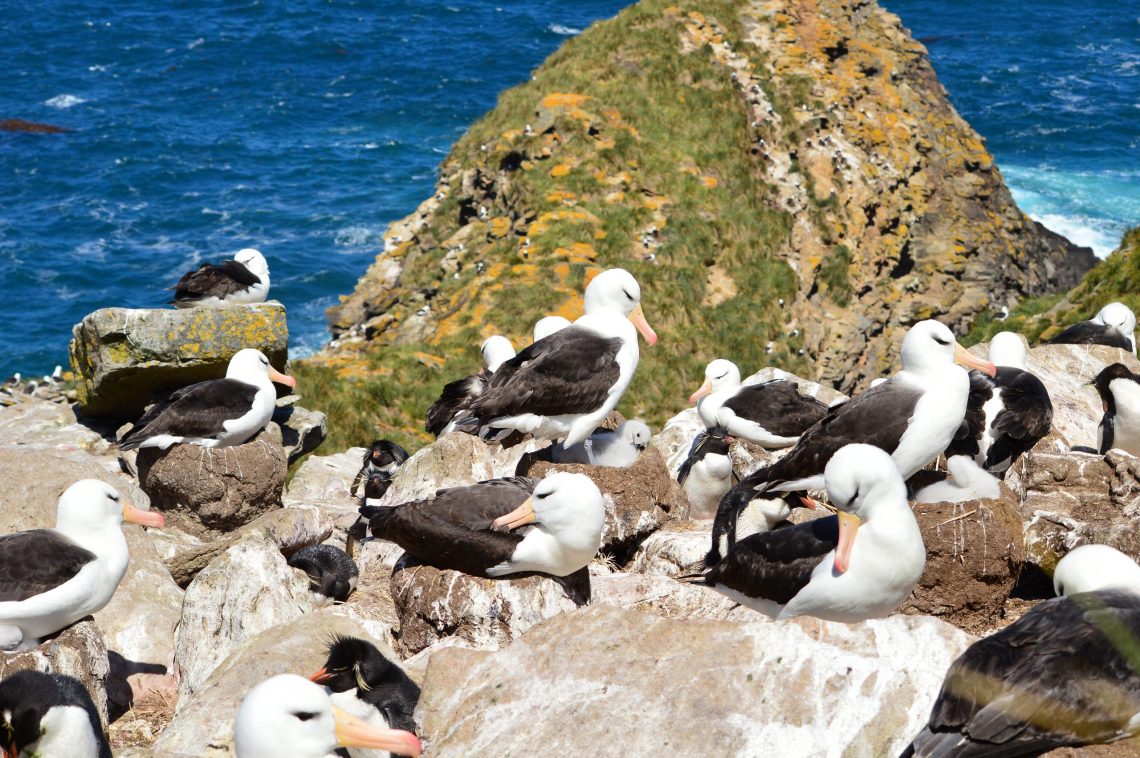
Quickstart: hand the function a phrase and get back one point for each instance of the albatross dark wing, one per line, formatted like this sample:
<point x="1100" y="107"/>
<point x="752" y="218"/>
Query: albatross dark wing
<point x="455" y="397"/>
<point x="453" y="529"/>
<point x="570" y="371"/>
<point x="1060" y="675"/>
<point x="212" y="280"/>
<point x="777" y="406"/>
<point x="36" y="561"/>
<point x="1091" y="333"/>
<point x="1026" y="417"/>
<point x="195" y="411"/>
<point x="776" y="565"/>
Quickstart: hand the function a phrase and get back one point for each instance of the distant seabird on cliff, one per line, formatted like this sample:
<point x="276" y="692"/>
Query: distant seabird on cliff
<point x="773" y="413"/>
<point x="1114" y="325"/>
<point x="913" y="416"/>
<point x="287" y="715"/>
<point x="245" y="279"/>
<point x="1064" y="674"/>
<point x="458" y="395"/>
<point x="50" y="578"/>
<point x="1119" y="391"/>
<point x="563" y="386"/>
<point x="1006" y="414"/>
<point x="49" y="715"/>
<point x="503" y="527"/>
<point x="706" y="473"/>
<point x="619" y="448"/>
<point x="216" y="412"/>
<point x="367" y="685"/>
<point x="857" y="565"/>
<point x="332" y="574"/>
<point x="548" y="325"/>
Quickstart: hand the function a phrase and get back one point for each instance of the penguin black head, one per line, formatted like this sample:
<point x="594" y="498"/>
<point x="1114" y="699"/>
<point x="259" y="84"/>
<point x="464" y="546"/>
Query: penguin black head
<point x="1105" y="378"/>
<point x="386" y="455"/>
<point x="354" y="663"/>
<point x="36" y="708"/>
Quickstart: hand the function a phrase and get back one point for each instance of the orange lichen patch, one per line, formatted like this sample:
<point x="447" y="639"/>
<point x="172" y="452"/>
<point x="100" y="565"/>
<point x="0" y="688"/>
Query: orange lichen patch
<point x="578" y="252"/>
<point x="429" y="360"/>
<point x="510" y="134"/>
<point x="496" y="270"/>
<point x="546" y="220"/>
<point x="672" y="10"/>
<point x="562" y="169"/>
<point x="656" y="202"/>
<point x="710" y="181"/>
<point x="697" y="16"/>
<point x="561" y="196"/>
<point x="571" y="308"/>
<point x="524" y="269"/>
<point x="527" y="165"/>
<point x="400" y="250"/>
<point x="604" y="143"/>
<point x="615" y="197"/>
<point x="500" y="226"/>
<point x="688" y="168"/>
<point x="563" y="100"/>
<point x="599" y="234"/>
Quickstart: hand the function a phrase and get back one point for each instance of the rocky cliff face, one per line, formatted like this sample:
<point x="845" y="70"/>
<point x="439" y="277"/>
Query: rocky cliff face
<point x="787" y="178"/>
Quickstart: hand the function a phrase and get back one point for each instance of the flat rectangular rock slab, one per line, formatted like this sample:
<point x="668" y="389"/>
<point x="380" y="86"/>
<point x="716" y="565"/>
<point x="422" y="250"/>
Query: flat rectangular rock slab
<point x="125" y="357"/>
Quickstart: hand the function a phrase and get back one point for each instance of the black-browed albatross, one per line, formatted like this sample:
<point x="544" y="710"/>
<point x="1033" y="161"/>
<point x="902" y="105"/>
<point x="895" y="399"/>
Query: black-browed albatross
<point x="913" y="416"/>
<point x="457" y="395"/>
<point x="1113" y="325"/>
<point x="244" y="279"/>
<point x="216" y="412"/>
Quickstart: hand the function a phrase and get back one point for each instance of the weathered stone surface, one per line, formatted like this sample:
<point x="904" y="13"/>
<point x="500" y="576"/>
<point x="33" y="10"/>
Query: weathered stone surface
<point x="486" y="613"/>
<point x="373" y="598"/>
<point x="204" y="723"/>
<point x="639" y="499"/>
<point x="301" y="429"/>
<point x="78" y="651"/>
<point x="673" y="550"/>
<point x="974" y="552"/>
<point x="244" y="591"/>
<point x="667" y="597"/>
<point x="125" y="357"/>
<point x="326" y="479"/>
<point x="806" y="686"/>
<point x="215" y="489"/>
<point x="36" y="424"/>
<point x="674" y="441"/>
<point x="289" y="528"/>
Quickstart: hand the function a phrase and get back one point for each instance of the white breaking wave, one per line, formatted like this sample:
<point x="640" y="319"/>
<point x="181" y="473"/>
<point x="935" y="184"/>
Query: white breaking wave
<point x="565" y="31"/>
<point x="64" y="101"/>
<point x="1081" y="231"/>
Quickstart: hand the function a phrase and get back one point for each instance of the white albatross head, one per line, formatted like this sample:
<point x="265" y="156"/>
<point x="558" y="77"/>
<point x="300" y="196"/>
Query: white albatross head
<point x="569" y="507"/>
<point x="636" y="432"/>
<point x="287" y="715"/>
<point x="1095" y="567"/>
<point x="254" y="261"/>
<point x="496" y="351"/>
<point x="616" y="291"/>
<point x="89" y="506"/>
<point x="252" y="367"/>
<point x="548" y="325"/>
<point x="719" y="374"/>
<point x="1008" y="349"/>
<point x="929" y="348"/>
<point x="861" y="480"/>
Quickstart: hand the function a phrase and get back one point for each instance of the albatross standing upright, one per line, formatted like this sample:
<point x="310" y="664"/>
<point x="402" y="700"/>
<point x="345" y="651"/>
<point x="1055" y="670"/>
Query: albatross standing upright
<point x="563" y="386"/>
<point x="913" y="416"/>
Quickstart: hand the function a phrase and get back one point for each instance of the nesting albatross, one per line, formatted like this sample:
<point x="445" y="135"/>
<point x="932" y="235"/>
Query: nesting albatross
<point x="1114" y="325"/>
<point x="245" y="279"/>
<point x="216" y="412"/>
<point x="564" y="385"/>
<point x="50" y="578"/>
<point x="913" y="416"/>
<point x="458" y="395"/>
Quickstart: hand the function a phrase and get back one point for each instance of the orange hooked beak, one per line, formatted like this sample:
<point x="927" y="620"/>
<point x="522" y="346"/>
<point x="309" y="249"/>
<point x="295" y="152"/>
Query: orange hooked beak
<point x="705" y="389"/>
<point x="321" y="676"/>
<point x="639" y="322"/>
<point x="280" y="378"/>
<point x="354" y="732"/>
<point x="520" y="516"/>
<point x="848" y="525"/>
<point x="133" y="515"/>
<point x="811" y="502"/>
<point x="968" y="360"/>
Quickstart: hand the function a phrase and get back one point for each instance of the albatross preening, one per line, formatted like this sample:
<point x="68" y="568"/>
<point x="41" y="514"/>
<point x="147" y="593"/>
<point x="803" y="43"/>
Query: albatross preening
<point x="50" y="578"/>
<point x="857" y="565"/>
<point x="913" y="416"/>
<point x="49" y="715"/>
<point x="1064" y="674"/>
<point x="772" y="413"/>
<point x="1007" y="413"/>
<point x="503" y="527"/>
<point x="1119" y="391"/>
<point x="287" y="715"/>
<point x="216" y="412"/>
<point x="1114" y="325"/>
<point x="563" y="386"/>
<point x="706" y="473"/>
<point x="458" y="395"/>
<point x="245" y="279"/>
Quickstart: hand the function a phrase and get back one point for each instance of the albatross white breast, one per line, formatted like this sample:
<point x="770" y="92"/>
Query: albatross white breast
<point x="564" y="385"/>
<point x="50" y="578"/>
<point x="216" y="412"/>
<point x="857" y="565"/>
<point x="245" y="279"/>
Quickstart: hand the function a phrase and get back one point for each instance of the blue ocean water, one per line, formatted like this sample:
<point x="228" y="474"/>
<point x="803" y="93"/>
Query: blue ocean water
<point x="302" y="129"/>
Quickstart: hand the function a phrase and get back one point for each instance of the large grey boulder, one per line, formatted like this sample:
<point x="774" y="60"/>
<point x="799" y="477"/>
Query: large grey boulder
<point x="124" y="358"/>
<point x="675" y="549"/>
<point x="302" y="430"/>
<point x="35" y="424"/>
<point x="78" y="651"/>
<point x="206" y="490"/>
<point x="605" y="676"/>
